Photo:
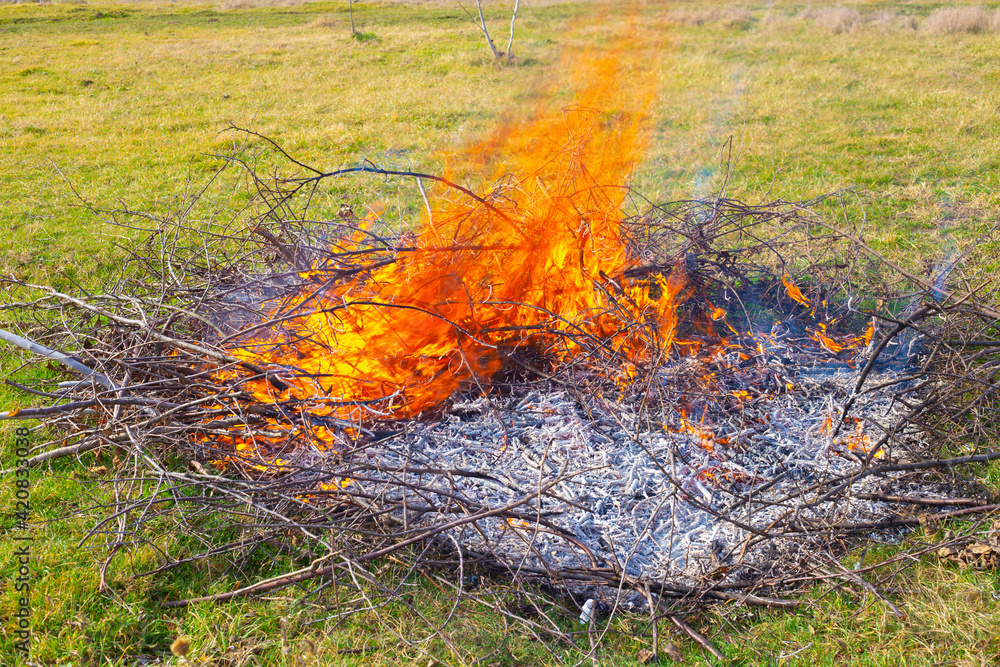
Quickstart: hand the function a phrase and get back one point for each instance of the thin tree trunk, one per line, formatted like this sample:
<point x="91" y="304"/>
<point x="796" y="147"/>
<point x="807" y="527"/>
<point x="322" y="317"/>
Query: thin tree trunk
<point x="510" y="42"/>
<point x="482" y="25"/>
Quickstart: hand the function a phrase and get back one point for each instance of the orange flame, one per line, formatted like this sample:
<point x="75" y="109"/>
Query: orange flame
<point x="824" y="340"/>
<point x="794" y="291"/>
<point x="539" y="262"/>
<point x="859" y="442"/>
<point x="714" y="311"/>
<point x="706" y="437"/>
<point x="847" y="343"/>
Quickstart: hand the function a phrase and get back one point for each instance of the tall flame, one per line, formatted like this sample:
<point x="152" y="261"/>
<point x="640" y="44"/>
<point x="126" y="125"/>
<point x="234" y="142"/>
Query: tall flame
<point x="539" y="262"/>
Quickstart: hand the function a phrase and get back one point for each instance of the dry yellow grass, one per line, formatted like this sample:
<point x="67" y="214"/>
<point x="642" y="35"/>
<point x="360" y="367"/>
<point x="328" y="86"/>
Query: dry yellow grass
<point x="958" y="20"/>
<point x="837" y="20"/>
<point x="942" y="21"/>
<point x="728" y="16"/>
<point x="886" y="20"/>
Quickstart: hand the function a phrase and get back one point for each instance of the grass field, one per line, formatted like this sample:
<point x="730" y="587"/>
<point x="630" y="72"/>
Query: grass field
<point x="120" y="104"/>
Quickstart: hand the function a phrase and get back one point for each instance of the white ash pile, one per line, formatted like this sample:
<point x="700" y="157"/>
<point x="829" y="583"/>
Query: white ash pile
<point x="640" y="484"/>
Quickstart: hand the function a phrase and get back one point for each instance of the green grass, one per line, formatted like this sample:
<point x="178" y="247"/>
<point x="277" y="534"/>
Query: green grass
<point x="131" y="108"/>
<point x="902" y="116"/>
<point x="127" y="104"/>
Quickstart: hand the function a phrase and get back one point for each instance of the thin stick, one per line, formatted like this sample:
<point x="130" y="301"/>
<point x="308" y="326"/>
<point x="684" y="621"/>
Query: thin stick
<point x="140" y="324"/>
<point x="655" y="624"/>
<point x="68" y="450"/>
<point x="427" y="201"/>
<point x="590" y="636"/>
<point x="61" y="357"/>
<point x="696" y="636"/>
<point x="916" y="500"/>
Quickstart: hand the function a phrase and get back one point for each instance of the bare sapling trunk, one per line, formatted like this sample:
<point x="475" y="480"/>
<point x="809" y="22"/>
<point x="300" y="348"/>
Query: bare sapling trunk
<point x="513" y="17"/>
<point x="486" y="32"/>
<point x="481" y="24"/>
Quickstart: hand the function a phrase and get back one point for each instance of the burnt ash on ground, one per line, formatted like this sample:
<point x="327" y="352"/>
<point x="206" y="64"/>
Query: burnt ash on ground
<point x="634" y="481"/>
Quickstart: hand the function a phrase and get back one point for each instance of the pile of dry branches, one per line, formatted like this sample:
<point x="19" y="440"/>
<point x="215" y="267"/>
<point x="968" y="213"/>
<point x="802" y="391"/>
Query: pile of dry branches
<point x="150" y="374"/>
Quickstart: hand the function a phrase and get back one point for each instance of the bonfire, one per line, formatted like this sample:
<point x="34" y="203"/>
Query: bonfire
<point x="688" y="401"/>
